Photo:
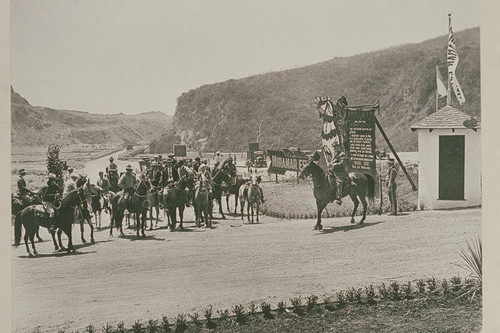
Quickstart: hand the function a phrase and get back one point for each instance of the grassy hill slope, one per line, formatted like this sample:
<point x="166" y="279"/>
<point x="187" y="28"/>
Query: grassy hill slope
<point x="277" y="108"/>
<point x="41" y="126"/>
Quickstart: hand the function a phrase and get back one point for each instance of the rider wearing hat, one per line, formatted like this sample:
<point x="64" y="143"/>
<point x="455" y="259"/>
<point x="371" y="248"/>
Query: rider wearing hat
<point x="338" y="171"/>
<point x="112" y="171"/>
<point x="127" y="183"/>
<point x="70" y="184"/>
<point x="141" y="170"/>
<point x="51" y="197"/>
<point x="231" y="168"/>
<point x="196" y="164"/>
<point x="24" y="193"/>
<point x="218" y="159"/>
<point x="155" y="174"/>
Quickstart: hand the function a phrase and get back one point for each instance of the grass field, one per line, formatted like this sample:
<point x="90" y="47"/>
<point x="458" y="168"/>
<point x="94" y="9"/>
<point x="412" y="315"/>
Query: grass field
<point x="288" y="199"/>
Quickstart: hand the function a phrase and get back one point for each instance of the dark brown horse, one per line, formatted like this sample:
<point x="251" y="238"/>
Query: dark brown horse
<point x="18" y="204"/>
<point x="220" y="176"/>
<point x="64" y="219"/>
<point x="233" y="188"/>
<point x="138" y="205"/>
<point x="176" y="197"/>
<point x="324" y="193"/>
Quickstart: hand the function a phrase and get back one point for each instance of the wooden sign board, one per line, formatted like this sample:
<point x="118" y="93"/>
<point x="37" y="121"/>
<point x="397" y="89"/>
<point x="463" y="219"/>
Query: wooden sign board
<point x="180" y="150"/>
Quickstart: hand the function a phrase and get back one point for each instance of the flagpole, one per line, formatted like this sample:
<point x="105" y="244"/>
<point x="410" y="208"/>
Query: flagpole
<point x="448" y="92"/>
<point x="437" y="93"/>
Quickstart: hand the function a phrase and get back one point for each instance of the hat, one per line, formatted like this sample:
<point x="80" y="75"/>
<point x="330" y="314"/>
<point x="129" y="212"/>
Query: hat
<point x="52" y="176"/>
<point x="230" y="159"/>
<point x="343" y="100"/>
<point x="75" y="175"/>
<point x="171" y="155"/>
<point x="196" y="158"/>
<point x="154" y="163"/>
<point x="111" y="159"/>
<point x="218" y="152"/>
<point x="70" y="170"/>
<point x="22" y="171"/>
<point x="129" y="167"/>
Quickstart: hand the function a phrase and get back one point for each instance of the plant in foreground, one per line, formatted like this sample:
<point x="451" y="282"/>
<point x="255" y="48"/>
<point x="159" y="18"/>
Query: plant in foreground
<point x="473" y="261"/>
<point x="297" y="305"/>
<point x="281" y="306"/>
<point x="152" y="326"/>
<point x="456" y="284"/>
<point x="223" y="314"/>
<point x="239" y="311"/>
<point x="195" y="319"/>
<point x="446" y="287"/>
<point x="407" y="291"/>
<point x="370" y="294"/>
<point x="120" y="328"/>
<point x="165" y="325"/>
<point x="327" y="301"/>
<point x="382" y="290"/>
<point x="137" y="327"/>
<point x="208" y="316"/>
<point x="431" y="284"/>
<point x="421" y="286"/>
<point x="311" y="302"/>
<point x="395" y="291"/>
<point x="253" y="309"/>
<point x="107" y="328"/>
<point x="90" y="329"/>
<point x="342" y="301"/>
<point x="266" y="310"/>
<point x="180" y="323"/>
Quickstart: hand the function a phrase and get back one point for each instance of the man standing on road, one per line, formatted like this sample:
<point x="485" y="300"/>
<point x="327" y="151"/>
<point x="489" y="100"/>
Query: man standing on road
<point x="392" y="173"/>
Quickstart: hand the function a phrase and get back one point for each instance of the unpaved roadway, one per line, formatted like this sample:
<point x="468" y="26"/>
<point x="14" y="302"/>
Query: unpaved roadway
<point x="123" y="279"/>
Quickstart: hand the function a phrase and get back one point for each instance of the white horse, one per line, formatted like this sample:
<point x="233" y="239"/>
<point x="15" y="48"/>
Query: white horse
<point x="250" y="194"/>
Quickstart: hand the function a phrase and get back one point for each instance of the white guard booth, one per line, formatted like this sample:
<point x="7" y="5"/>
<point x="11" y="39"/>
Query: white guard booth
<point x="449" y="151"/>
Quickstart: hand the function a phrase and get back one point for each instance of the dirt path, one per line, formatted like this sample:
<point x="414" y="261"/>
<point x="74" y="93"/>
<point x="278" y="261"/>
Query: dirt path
<point x="174" y="272"/>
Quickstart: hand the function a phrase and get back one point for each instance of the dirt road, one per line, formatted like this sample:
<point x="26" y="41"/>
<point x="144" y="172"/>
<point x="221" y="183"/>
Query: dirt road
<point x="182" y="272"/>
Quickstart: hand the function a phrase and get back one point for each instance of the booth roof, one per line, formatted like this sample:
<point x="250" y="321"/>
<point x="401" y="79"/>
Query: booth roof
<point x="447" y="117"/>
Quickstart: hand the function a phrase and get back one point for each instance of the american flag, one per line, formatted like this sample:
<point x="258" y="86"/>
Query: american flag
<point x="452" y="62"/>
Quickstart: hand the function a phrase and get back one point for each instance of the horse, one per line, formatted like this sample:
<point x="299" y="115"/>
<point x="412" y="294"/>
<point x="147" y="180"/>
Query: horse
<point x="18" y="204"/>
<point x="252" y="197"/>
<point x="176" y="197"/>
<point x="64" y="219"/>
<point x="202" y="198"/>
<point x="324" y="193"/>
<point x="233" y="188"/>
<point x="138" y="205"/>
<point x="220" y="175"/>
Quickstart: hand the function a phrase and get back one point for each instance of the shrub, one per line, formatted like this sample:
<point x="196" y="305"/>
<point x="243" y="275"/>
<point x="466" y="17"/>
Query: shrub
<point x="456" y="283"/>
<point x="152" y="326"/>
<point x="407" y="291"/>
<point x="421" y="286"/>
<point x="195" y="319"/>
<point x="431" y="284"/>
<point x="107" y="328"/>
<point x="137" y="327"/>
<point x="370" y="294"/>
<point x="208" y="313"/>
<point x="311" y="302"/>
<point x="445" y="286"/>
<point x="90" y="329"/>
<point x="384" y="293"/>
<point x="282" y="307"/>
<point x="350" y="295"/>
<point x="266" y="310"/>
<point x="252" y="308"/>
<point x="223" y="314"/>
<point x="297" y="305"/>
<point x="180" y="323"/>
<point x="473" y="261"/>
<point x="327" y="300"/>
<point x="394" y="291"/>
<point x="165" y="325"/>
<point x="239" y="311"/>
<point x="358" y="296"/>
<point x="342" y="301"/>
<point x="120" y="328"/>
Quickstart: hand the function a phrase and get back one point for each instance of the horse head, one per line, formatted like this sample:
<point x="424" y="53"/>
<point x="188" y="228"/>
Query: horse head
<point x="143" y="186"/>
<point x="310" y="169"/>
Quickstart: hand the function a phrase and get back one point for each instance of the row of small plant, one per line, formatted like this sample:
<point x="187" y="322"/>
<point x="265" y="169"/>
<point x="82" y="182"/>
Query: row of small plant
<point x="455" y="287"/>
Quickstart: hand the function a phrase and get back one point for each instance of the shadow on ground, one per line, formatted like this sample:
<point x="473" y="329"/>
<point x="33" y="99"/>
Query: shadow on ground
<point x="346" y="228"/>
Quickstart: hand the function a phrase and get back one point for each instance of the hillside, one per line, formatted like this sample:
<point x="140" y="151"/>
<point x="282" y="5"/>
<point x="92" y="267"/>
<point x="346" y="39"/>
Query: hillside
<point x="41" y="126"/>
<point x="277" y="108"/>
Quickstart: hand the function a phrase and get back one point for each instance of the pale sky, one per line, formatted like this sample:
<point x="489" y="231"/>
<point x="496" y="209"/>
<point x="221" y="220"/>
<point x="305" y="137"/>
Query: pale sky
<point x="137" y="56"/>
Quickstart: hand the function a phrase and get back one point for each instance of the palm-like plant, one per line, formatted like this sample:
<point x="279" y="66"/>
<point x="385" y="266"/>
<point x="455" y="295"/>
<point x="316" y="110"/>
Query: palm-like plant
<point x="472" y="257"/>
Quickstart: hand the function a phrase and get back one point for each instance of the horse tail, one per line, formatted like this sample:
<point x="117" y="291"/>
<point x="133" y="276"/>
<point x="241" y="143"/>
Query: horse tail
<point x="370" y="190"/>
<point x="17" y="229"/>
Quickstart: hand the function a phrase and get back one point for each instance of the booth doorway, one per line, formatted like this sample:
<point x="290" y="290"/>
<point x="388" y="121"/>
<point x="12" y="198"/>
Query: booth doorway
<point x="451" y="167"/>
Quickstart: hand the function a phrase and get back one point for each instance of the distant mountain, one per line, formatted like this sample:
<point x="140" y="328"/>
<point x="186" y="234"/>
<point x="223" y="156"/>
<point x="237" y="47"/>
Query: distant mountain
<point x="40" y="126"/>
<point x="277" y="108"/>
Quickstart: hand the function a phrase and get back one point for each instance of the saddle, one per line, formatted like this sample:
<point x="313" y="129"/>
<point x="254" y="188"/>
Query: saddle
<point x="40" y="211"/>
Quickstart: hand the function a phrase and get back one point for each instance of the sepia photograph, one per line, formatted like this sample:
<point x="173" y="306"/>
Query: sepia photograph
<point x="246" y="166"/>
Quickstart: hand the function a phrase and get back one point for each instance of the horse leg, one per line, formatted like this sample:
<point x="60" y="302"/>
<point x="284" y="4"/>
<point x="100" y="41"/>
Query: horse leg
<point x="173" y="217"/>
<point x="144" y="223"/>
<point x="70" y="239"/>
<point x="82" y="228"/>
<point x="241" y="209"/>
<point x="32" y="239"/>
<point x="137" y="224"/>
<point x="219" y="201"/>
<point x="53" y="234"/>
<point x="157" y="208"/>
<point x="257" y="213"/>
<point x="356" y="204"/>
<point x="227" y="203"/>
<point x="181" y="216"/>
<point x="236" y="203"/>
<point x="59" y="233"/>
<point x="320" y="205"/>
<point x="89" y="221"/>
<point x="248" y="211"/>
<point x="38" y="235"/>
<point x="365" y="205"/>
<point x="26" y="242"/>
<point x="150" y="218"/>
